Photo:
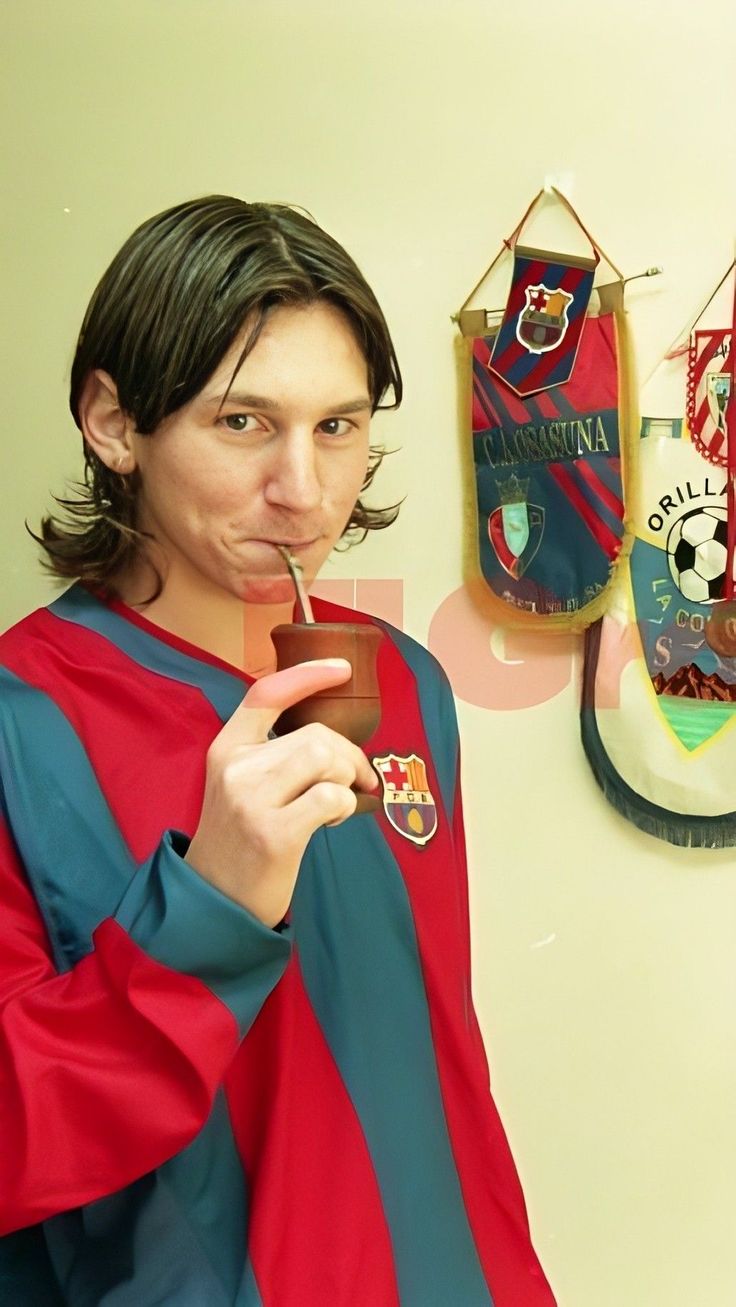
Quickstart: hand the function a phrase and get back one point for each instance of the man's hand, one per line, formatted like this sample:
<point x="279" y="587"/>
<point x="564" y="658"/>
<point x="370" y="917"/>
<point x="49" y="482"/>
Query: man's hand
<point x="264" y="799"/>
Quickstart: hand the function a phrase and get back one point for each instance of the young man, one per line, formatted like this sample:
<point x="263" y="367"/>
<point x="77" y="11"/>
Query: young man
<point x="239" y="1062"/>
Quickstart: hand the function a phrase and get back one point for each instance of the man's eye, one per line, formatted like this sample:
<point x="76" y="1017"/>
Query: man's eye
<point x="334" y="424"/>
<point x="237" y="421"/>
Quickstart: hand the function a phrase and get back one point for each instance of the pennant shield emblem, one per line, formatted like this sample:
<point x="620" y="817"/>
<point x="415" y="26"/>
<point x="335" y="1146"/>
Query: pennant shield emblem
<point x="515" y="521"/>
<point x="407" y="800"/>
<point x="544" y="321"/>
<point x="718" y="390"/>
<point x="515" y="527"/>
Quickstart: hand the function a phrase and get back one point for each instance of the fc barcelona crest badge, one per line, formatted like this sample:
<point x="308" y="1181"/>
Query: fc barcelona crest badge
<point x="407" y="800"/>
<point x="543" y="321"/>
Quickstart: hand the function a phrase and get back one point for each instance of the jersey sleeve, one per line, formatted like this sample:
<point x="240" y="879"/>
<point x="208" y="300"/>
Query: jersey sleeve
<point x="109" y="1068"/>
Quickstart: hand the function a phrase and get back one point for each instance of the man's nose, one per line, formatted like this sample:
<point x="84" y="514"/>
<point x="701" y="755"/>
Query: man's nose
<point x="293" y="481"/>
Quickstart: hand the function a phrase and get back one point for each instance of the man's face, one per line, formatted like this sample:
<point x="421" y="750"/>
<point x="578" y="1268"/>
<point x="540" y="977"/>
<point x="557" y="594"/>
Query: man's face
<point x="283" y="460"/>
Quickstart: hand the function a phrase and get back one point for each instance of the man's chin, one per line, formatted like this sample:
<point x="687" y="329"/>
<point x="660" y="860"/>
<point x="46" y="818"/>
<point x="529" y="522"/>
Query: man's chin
<point x="268" y="590"/>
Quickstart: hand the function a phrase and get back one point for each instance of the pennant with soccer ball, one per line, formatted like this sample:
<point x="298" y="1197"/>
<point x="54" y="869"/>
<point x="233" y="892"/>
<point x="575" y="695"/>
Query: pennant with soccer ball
<point x="659" y="698"/>
<point x="551" y="416"/>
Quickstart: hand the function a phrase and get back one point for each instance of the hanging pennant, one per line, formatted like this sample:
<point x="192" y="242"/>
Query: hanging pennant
<point x="550" y="404"/>
<point x="538" y="339"/>
<point x="708" y="391"/>
<point x="658" y="715"/>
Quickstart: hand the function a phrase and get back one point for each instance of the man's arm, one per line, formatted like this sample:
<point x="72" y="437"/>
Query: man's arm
<point x="110" y="1068"/>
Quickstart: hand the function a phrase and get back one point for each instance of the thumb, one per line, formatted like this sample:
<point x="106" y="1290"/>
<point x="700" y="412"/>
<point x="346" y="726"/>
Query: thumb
<point x="270" y="695"/>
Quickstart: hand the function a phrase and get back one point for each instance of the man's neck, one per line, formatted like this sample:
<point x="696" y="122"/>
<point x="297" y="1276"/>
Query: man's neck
<point x="215" y="621"/>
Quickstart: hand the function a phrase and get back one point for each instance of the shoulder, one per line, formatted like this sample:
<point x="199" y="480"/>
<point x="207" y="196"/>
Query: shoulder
<point x="32" y="660"/>
<point x="22" y="631"/>
<point x="22" y="641"/>
<point x="40" y="628"/>
<point x="23" y="724"/>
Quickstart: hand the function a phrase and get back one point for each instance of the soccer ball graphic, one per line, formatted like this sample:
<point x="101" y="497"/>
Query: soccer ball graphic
<point x="697" y="552"/>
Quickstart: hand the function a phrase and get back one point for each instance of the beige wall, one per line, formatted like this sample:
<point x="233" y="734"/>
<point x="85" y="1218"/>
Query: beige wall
<point x="416" y="133"/>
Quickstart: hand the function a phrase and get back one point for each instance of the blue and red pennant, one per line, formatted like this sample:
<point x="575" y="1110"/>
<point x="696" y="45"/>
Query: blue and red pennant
<point x="538" y="339"/>
<point x="549" y="479"/>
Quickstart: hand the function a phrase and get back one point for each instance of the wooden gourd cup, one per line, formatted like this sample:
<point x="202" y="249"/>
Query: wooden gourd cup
<point x="353" y="708"/>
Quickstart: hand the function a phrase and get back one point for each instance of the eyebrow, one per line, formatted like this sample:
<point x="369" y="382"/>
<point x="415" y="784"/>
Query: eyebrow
<point x="358" y="405"/>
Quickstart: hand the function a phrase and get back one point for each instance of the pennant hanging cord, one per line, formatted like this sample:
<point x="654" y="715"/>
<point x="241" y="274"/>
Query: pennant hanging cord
<point x="676" y="349"/>
<point x="511" y="241"/>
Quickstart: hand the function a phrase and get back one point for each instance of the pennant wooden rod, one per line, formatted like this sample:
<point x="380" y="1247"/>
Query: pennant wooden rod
<point x="650" y="272"/>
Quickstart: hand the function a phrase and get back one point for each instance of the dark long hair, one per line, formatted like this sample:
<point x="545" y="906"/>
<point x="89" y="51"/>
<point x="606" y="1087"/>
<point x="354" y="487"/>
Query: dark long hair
<point x="165" y="313"/>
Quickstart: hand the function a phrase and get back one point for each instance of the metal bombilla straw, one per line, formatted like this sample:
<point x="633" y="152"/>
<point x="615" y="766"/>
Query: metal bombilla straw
<point x="295" y="572"/>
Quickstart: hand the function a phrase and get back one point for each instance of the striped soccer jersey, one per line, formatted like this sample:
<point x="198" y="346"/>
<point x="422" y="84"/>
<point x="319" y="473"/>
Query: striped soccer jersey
<point x="200" y="1111"/>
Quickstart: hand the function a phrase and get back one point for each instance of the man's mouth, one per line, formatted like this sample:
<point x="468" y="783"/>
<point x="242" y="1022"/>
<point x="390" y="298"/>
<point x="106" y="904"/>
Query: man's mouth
<point x="288" y="544"/>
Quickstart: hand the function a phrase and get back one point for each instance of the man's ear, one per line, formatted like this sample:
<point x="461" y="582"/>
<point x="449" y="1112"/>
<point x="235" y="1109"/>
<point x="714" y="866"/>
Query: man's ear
<point x="105" y="426"/>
